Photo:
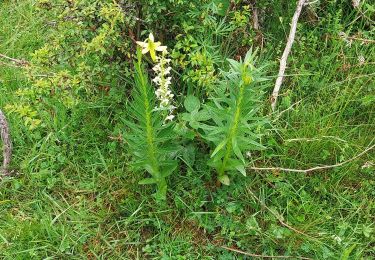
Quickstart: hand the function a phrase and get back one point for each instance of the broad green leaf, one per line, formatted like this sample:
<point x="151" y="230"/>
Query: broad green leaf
<point x="169" y="168"/>
<point x="191" y="103"/>
<point x="214" y="162"/>
<point x="149" y="168"/>
<point x="203" y="115"/>
<point x="194" y="124"/>
<point x="186" y="117"/>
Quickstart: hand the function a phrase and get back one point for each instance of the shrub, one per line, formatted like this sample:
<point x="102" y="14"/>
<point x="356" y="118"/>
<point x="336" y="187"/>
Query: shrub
<point x="88" y="48"/>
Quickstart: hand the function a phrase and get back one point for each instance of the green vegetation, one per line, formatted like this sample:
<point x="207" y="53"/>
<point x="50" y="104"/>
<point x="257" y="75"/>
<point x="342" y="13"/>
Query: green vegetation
<point x="88" y="129"/>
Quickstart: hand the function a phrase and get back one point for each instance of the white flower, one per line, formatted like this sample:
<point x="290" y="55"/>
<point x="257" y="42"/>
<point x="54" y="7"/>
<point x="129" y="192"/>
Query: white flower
<point x="157" y="80"/>
<point x="164" y="102"/>
<point x="162" y="70"/>
<point x="170" y="117"/>
<point x="168" y="81"/>
<point x="167" y="70"/>
<point x="158" y="93"/>
<point x="169" y="94"/>
<point x="156" y="68"/>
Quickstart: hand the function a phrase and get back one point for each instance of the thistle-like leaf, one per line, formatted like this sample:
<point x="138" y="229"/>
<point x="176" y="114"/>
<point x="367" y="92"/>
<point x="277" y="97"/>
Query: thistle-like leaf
<point x="233" y="123"/>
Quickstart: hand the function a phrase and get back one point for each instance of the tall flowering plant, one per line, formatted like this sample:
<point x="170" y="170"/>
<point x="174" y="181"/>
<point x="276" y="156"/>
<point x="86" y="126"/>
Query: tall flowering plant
<point x="150" y="132"/>
<point x="229" y="122"/>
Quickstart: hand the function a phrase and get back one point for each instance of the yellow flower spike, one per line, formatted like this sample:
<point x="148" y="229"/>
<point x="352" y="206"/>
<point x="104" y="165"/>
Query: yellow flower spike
<point x="149" y="45"/>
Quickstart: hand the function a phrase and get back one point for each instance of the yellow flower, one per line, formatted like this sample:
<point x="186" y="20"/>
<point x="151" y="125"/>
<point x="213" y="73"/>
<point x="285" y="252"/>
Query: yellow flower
<point x="149" y="45"/>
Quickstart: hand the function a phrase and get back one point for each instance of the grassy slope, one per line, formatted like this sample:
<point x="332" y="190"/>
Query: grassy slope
<point x="91" y="207"/>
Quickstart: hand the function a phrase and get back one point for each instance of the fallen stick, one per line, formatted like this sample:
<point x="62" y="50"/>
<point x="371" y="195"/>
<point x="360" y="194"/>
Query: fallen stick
<point x="284" y="58"/>
<point x="314" y="168"/>
<point x="16" y="61"/>
<point x="7" y="143"/>
<point x="278" y="217"/>
<point x="349" y="39"/>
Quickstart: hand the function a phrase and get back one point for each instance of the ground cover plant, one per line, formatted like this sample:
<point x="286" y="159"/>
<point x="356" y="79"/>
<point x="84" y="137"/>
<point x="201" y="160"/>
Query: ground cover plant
<point x="104" y="97"/>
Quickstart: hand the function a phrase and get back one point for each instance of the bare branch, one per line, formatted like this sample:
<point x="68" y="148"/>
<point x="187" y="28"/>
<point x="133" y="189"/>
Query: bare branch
<point x="18" y="62"/>
<point x="287" y="50"/>
<point x="255" y="16"/>
<point x="314" y="168"/>
<point x="315" y="139"/>
<point x="7" y="143"/>
<point x="277" y="216"/>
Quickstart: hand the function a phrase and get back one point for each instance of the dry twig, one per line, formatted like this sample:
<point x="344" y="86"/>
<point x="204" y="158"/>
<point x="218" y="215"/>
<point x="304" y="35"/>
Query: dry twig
<point x="287" y="50"/>
<point x="279" y="218"/>
<point x="324" y="167"/>
<point x="7" y="143"/>
<point x="17" y="62"/>
<point x="363" y="40"/>
<point x="255" y="16"/>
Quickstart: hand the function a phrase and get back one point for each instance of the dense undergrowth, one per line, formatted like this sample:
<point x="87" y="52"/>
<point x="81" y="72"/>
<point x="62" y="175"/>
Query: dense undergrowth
<point x="84" y="136"/>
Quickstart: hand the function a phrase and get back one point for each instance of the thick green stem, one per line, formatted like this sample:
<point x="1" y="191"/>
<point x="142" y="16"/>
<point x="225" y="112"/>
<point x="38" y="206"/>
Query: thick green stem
<point x="149" y="128"/>
<point x="233" y="129"/>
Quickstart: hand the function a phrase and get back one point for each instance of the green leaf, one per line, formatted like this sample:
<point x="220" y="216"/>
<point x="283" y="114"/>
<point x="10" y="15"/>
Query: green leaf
<point x="148" y="167"/>
<point x="223" y="6"/>
<point x="219" y="147"/>
<point x="237" y="165"/>
<point x="237" y="150"/>
<point x="203" y="115"/>
<point x="186" y="117"/>
<point x="147" y="181"/>
<point x="191" y="103"/>
<point x="161" y="192"/>
<point x="241" y="169"/>
<point x="345" y="255"/>
<point x="214" y="162"/>
<point x="188" y="154"/>
<point x="234" y="64"/>
<point x="224" y="179"/>
<point x="169" y="168"/>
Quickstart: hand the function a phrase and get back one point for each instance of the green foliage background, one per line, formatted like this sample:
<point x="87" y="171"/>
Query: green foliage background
<point x="76" y="192"/>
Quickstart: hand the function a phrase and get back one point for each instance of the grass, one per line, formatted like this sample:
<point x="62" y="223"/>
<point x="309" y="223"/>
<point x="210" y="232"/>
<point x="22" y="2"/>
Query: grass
<point x="75" y="196"/>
